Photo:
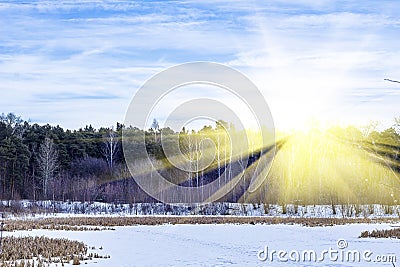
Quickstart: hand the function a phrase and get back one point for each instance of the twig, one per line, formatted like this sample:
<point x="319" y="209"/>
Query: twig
<point x="393" y="81"/>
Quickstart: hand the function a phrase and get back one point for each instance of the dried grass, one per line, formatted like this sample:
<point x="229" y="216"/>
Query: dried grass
<point x="391" y="233"/>
<point x="41" y="251"/>
<point x="107" y="223"/>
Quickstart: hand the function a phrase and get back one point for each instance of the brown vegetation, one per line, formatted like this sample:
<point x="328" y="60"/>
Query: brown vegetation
<point x="391" y="233"/>
<point x="40" y="249"/>
<point x="35" y="251"/>
<point x="107" y="223"/>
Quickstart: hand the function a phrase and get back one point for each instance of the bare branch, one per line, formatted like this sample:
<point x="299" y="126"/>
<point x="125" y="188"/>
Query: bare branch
<point x="47" y="162"/>
<point x="110" y="148"/>
<point x="393" y="81"/>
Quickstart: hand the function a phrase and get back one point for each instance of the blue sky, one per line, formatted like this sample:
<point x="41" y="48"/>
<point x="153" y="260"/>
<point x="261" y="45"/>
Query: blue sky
<point x="78" y="62"/>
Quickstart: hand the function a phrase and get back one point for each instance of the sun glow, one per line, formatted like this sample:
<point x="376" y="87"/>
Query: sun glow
<point x="337" y="166"/>
<point x="329" y="168"/>
<point x="299" y="103"/>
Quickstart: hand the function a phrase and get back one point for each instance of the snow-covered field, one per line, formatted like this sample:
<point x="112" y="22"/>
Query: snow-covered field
<point x="227" y="245"/>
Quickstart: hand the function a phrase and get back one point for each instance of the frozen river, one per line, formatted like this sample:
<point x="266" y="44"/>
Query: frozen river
<point x="235" y="245"/>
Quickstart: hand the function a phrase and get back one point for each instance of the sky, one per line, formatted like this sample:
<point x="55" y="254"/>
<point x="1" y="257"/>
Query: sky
<point x="73" y="63"/>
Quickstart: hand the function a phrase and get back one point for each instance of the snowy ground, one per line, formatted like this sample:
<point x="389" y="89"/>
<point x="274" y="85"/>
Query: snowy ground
<point x="218" y="208"/>
<point x="226" y="245"/>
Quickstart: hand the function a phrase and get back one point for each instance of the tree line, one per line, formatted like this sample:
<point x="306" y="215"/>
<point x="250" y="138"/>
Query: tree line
<point x="36" y="161"/>
<point x="49" y="162"/>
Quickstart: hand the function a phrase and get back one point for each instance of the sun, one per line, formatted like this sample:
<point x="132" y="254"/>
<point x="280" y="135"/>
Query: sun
<point x="329" y="167"/>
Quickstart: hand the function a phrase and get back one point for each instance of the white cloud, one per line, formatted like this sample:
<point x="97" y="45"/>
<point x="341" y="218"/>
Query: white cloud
<point x="293" y="51"/>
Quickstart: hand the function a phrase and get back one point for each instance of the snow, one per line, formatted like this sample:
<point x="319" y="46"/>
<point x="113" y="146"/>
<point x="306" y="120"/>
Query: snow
<point x="222" y="245"/>
<point x="217" y="208"/>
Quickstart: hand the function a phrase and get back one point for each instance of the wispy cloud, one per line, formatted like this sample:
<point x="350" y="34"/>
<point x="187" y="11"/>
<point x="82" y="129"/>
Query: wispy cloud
<point x="71" y="96"/>
<point x="89" y="54"/>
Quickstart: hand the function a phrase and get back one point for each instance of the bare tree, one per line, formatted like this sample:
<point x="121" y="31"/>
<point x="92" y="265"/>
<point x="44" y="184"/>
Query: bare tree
<point x="369" y="128"/>
<point x="15" y="123"/>
<point x="156" y="127"/>
<point x="111" y="148"/>
<point x="397" y="124"/>
<point x="47" y="162"/>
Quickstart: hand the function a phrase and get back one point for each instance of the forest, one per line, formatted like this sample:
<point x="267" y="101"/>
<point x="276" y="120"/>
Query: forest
<point x="48" y="162"/>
